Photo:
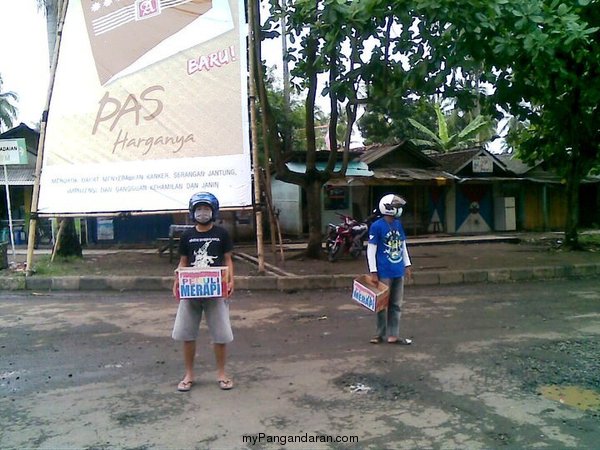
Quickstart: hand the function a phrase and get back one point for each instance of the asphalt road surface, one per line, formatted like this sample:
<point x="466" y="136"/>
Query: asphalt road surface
<point x="492" y="366"/>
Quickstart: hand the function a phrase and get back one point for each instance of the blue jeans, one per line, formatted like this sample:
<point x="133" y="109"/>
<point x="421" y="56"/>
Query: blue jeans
<point x="388" y="320"/>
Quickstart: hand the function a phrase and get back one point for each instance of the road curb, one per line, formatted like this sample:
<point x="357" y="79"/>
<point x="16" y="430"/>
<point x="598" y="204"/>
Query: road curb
<point x="298" y="283"/>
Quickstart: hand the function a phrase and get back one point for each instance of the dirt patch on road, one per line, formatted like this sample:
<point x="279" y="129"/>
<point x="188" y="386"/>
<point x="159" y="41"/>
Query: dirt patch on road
<point x="376" y="386"/>
<point x="561" y="362"/>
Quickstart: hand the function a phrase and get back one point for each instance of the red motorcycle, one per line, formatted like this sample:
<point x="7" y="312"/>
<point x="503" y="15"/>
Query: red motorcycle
<point x="345" y="238"/>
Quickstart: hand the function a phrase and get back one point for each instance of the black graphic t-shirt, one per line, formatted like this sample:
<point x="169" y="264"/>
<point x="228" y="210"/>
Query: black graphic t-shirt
<point x="205" y="248"/>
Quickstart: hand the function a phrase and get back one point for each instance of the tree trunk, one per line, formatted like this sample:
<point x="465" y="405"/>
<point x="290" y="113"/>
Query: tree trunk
<point x="313" y="207"/>
<point x="572" y="222"/>
<point x="67" y="243"/>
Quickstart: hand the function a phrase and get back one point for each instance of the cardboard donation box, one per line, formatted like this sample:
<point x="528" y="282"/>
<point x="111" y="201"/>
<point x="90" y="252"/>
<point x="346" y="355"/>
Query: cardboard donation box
<point x="207" y="282"/>
<point x="372" y="297"/>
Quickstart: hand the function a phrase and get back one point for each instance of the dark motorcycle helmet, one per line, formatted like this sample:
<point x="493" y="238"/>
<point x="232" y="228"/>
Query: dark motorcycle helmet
<point x="204" y="198"/>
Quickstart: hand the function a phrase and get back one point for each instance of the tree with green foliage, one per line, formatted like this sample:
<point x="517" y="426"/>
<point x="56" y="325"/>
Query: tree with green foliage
<point x="8" y="109"/>
<point x="379" y="53"/>
<point x="316" y="32"/>
<point x="289" y="118"/>
<point x="445" y="140"/>
<point x="380" y="125"/>
<point x="552" y="51"/>
<point x="542" y="58"/>
<point x="328" y="38"/>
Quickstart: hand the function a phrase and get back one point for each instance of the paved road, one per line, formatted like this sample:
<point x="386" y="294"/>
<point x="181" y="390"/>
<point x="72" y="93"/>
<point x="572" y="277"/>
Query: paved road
<point x="98" y="370"/>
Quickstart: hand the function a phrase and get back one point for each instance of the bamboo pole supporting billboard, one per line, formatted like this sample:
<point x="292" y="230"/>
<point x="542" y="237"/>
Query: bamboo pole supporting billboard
<point x="40" y="154"/>
<point x="252" y="61"/>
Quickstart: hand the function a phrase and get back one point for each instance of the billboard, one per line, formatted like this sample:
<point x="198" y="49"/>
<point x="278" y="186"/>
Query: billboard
<point x="148" y="106"/>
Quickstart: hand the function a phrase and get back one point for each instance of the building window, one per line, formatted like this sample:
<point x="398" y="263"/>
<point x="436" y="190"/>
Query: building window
<point x="336" y="197"/>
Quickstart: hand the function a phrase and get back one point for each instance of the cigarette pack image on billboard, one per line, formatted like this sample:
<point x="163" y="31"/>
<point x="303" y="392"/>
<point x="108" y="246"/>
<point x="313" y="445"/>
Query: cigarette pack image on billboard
<point x="208" y="282"/>
<point x="372" y="297"/>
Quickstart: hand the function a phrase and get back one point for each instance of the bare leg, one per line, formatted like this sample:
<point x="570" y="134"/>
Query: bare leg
<point x="220" y="357"/>
<point x="189" y="353"/>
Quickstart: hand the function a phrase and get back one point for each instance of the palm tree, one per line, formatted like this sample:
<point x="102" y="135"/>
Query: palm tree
<point x="8" y="110"/>
<point x="442" y="141"/>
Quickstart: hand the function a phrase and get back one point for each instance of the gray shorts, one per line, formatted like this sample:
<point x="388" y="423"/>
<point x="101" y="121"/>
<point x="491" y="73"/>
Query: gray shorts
<point x="189" y="315"/>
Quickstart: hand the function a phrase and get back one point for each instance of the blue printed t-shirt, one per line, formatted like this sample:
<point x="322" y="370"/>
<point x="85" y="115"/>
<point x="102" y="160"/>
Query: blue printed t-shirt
<point x="388" y="237"/>
<point x="205" y="248"/>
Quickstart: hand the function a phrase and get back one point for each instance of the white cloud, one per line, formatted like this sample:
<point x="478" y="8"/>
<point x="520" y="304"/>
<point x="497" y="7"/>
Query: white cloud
<point x="24" y="57"/>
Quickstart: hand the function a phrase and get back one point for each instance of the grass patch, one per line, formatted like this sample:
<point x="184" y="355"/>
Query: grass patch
<point x="590" y="241"/>
<point x="61" y="266"/>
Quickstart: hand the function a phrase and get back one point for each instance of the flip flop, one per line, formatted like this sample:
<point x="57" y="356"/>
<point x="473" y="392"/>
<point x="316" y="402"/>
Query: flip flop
<point x="401" y="341"/>
<point x="225" y="385"/>
<point x="184" y="386"/>
<point x="376" y="340"/>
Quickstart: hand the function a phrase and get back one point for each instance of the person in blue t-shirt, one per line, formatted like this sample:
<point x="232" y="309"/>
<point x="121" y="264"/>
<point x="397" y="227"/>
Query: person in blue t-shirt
<point x="389" y="263"/>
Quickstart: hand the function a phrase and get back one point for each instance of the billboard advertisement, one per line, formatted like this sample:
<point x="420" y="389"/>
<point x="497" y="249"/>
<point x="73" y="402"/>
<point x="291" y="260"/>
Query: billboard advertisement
<point x="148" y="106"/>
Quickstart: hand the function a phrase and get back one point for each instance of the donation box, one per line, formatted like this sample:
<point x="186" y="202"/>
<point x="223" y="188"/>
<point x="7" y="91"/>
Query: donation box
<point x="207" y="282"/>
<point x="372" y="297"/>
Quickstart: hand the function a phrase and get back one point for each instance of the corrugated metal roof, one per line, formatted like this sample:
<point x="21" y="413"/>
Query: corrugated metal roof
<point x="355" y="168"/>
<point x="394" y="176"/>
<point x="413" y="174"/>
<point x="18" y="176"/>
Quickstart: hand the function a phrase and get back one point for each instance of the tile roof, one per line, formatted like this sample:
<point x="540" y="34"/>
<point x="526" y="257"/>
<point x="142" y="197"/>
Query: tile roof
<point x="454" y="161"/>
<point x="515" y="165"/>
<point x="373" y="153"/>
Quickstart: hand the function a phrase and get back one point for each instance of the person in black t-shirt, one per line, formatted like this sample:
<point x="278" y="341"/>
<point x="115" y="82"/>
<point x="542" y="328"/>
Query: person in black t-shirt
<point x="205" y="245"/>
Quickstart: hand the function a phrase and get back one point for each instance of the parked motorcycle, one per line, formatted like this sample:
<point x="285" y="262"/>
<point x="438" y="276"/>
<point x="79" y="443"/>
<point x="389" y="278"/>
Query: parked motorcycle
<point x="345" y="238"/>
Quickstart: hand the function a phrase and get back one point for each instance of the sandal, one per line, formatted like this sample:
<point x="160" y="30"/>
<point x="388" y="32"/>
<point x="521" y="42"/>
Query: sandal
<point x="401" y="341"/>
<point x="184" y="386"/>
<point x="376" y="340"/>
<point x="225" y="385"/>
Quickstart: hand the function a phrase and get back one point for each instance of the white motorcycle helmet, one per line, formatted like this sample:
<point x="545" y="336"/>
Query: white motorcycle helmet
<point x="391" y="205"/>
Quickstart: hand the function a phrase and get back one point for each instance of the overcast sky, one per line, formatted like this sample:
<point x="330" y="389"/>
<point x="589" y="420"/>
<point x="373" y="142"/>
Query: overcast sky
<point x="24" y="57"/>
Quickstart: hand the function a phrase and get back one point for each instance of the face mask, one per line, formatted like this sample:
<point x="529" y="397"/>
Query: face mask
<point x="203" y="216"/>
<point x="398" y="213"/>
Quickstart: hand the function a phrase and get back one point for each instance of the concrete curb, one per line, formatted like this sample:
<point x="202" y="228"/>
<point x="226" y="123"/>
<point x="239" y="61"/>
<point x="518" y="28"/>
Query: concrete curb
<point x="294" y="283"/>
